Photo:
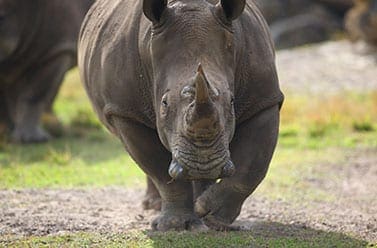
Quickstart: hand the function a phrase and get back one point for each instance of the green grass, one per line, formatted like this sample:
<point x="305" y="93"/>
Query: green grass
<point x="85" y="156"/>
<point x="303" y="238"/>
<point x="93" y="160"/>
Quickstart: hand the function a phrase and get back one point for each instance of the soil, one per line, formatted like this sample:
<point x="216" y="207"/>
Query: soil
<point x="353" y="211"/>
<point x="328" y="68"/>
<point x="115" y="209"/>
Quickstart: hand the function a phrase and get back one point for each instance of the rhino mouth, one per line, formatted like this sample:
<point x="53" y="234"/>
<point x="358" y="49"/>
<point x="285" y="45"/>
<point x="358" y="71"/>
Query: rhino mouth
<point x="208" y="160"/>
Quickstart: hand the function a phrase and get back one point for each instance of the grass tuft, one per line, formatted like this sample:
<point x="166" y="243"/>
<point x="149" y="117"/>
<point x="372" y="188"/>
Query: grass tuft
<point x="363" y="126"/>
<point x="85" y="119"/>
<point x="289" y="131"/>
<point x="59" y="158"/>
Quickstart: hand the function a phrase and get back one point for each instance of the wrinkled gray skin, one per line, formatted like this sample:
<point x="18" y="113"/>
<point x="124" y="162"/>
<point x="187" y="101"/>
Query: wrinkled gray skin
<point x="38" y="41"/>
<point x="298" y="22"/>
<point x="361" y="21"/>
<point x="190" y="88"/>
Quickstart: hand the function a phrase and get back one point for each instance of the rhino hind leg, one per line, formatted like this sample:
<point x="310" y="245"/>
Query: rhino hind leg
<point x="251" y="153"/>
<point x="144" y="146"/>
<point x="152" y="198"/>
<point x="30" y="98"/>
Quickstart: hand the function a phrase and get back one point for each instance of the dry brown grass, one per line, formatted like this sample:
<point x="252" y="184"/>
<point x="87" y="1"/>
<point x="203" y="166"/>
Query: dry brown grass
<point x="357" y="112"/>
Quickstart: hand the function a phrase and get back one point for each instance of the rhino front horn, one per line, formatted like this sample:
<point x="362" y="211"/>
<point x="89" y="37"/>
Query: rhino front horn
<point x="202" y="93"/>
<point x="203" y="119"/>
<point x="176" y="171"/>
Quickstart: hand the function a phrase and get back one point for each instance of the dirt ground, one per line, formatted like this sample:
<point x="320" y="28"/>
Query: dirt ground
<point x="327" y="68"/>
<point x="42" y="212"/>
<point x="115" y="209"/>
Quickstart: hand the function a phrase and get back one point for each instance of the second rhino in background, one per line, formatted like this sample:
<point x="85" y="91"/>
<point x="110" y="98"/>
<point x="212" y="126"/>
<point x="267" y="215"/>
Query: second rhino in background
<point x="38" y="41"/>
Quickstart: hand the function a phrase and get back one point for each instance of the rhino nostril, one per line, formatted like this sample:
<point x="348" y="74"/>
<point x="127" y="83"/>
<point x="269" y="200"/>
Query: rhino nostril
<point x="176" y="170"/>
<point x="216" y="125"/>
<point x="228" y="169"/>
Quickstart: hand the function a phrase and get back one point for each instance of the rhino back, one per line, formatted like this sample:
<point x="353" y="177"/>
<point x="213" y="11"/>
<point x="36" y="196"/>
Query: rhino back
<point x="109" y="59"/>
<point x="49" y="28"/>
<point x="60" y="24"/>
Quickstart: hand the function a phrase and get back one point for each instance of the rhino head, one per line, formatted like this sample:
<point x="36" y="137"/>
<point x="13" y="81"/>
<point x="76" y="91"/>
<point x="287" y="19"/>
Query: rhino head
<point x="193" y="57"/>
<point x="10" y="28"/>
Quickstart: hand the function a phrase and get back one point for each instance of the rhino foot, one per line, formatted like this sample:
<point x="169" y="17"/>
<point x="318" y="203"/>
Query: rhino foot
<point x="3" y="129"/>
<point x="214" y="223"/>
<point x="35" y="135"/>
<point x="219" y="206"/>
<point x="178" y="221"/>
<point x="152" y="202"/>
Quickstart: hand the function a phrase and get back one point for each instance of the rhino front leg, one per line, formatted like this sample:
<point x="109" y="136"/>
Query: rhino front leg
<point x="27" y="128"/>
<point x="251" y="150"/>
<point x="144" y="146"/>
<point x="200" y="186"/>
<point x="152" y="199"/>
<point x="29" y="99"/>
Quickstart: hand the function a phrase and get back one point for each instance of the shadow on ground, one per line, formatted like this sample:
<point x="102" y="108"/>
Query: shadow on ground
<point x="91" y="146"/>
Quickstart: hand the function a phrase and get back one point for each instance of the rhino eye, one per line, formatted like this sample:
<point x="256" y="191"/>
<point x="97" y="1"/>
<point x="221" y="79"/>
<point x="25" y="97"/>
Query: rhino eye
<point x="188" y="91"/>
<point x="232" y="101"/>
<point x="164" y="101"/>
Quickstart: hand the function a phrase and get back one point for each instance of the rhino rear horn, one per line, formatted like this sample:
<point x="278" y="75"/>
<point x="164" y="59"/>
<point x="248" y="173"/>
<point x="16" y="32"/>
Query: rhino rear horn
<point x="153" y="9"/>
<point x="232" y="9"/>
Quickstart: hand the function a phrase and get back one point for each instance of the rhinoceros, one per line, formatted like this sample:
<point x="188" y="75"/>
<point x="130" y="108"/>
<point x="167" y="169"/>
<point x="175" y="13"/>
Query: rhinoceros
<point x="191" y="89"/>
<point x="361" y="21"/>
<point x="38" y="41"/>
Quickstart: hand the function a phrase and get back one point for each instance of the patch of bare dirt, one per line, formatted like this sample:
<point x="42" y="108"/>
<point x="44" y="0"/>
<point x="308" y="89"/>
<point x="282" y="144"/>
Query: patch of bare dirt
<point x="330" y="67"/>
<point x="354" y="211"/>
<point x="42" y="212"/>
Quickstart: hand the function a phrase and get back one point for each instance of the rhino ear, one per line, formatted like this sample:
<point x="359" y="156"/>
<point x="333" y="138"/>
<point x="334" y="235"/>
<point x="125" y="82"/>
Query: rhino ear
<point x="153" y="9"/>
<point x="232" y="9"/>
